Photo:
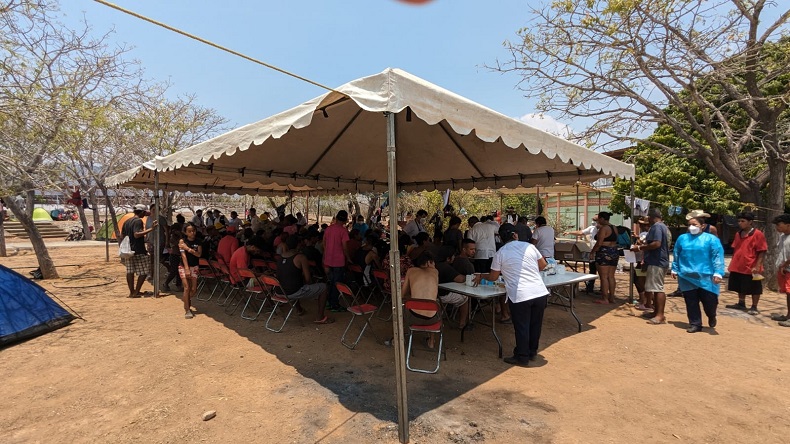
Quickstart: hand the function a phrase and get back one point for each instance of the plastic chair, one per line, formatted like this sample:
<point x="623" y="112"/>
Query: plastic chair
<point x="277" y="295"/>
<point x="364" y="311"/>
<point x="205" y="273"/>
<point x="254" y="292"/>
<point x="425" y="304"/>
<point x="381" y="277"/>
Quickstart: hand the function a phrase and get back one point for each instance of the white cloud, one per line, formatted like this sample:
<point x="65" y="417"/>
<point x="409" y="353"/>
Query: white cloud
<point x="547" y="123"/>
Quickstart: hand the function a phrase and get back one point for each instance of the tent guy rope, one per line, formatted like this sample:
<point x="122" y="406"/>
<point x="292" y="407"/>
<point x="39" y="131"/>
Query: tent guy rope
<point x="212" y="44"/>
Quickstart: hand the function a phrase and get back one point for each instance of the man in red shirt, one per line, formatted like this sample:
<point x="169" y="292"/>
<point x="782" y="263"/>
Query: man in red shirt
<point x="746" y="266"/>
<point x="227" y="245"/>
<point x="336" y="256"/>
<point x="241" y="258"/>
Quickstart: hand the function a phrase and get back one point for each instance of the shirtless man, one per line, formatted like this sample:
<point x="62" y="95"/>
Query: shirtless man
<point x="422" y="282"/>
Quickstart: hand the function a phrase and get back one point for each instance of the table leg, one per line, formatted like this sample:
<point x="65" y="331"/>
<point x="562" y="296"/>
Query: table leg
<point x="493" y="327"/>
<point x="574" y="287"/>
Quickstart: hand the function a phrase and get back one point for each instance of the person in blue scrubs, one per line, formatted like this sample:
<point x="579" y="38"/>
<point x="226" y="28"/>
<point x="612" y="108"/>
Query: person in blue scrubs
<point x="698" y="265"/>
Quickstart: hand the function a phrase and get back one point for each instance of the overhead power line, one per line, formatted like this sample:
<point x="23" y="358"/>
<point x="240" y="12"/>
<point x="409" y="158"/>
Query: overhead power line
<point x="212" y="44"/>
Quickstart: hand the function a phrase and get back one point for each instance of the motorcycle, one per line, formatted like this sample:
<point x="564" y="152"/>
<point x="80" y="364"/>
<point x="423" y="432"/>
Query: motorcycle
<point x="76" y="234"/>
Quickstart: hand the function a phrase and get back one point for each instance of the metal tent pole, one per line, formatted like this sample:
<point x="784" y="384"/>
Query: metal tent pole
<point x="157" y="246"/>
<point x="632" y="273"/>
<point x="397" y="304"/>
<point x="107" y="228"/>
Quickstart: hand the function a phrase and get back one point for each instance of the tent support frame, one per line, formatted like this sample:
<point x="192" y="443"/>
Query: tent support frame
<point x="397" y="303"/>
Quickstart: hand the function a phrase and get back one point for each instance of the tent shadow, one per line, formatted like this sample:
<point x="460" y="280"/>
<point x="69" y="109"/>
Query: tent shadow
<point x="363" y="379"/>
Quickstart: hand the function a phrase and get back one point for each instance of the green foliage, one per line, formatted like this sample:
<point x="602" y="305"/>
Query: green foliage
<point x="666" y="179"/>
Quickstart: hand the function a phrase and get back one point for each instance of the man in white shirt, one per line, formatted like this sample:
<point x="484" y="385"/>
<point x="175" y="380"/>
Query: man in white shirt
<point x="484" y="235"/>
<point x="416" y="225"/>
<point x="197" y="219"/>
<point x="543" y="237"/>
<point x="255" y="221"/>
<point x="520" y="264"/>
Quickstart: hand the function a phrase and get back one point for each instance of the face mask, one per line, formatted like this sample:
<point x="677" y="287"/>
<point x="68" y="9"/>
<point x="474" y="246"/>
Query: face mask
<point x="694" y="230"/>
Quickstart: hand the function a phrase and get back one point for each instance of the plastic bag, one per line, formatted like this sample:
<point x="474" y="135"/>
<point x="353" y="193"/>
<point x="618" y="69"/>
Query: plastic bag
<point x="125" y="249"/>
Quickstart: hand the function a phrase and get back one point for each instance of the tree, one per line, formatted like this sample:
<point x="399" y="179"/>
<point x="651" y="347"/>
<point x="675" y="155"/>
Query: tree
<point x="48" y="76"/>
<point x="715" y="72"/>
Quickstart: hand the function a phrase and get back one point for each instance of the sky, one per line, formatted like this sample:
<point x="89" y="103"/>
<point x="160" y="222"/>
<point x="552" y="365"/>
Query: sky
<point x="446" y="42"/>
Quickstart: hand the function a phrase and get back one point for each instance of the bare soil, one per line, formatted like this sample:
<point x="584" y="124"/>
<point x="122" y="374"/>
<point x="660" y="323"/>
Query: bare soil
<point x="134" y="370"/>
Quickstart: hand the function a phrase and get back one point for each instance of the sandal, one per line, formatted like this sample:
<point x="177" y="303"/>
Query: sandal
<point x="655" y="321"/>
<point x="325" y="320"/>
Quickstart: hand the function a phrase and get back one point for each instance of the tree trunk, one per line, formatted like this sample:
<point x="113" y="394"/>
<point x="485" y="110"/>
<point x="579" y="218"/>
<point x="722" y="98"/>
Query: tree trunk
<point x="84" y="221"/>
<point x="111" y="208"/>
<point x="30" y="203"/>
<point x="95" y="206"/>
<point x="774" y="205"/>
<point x="3" y="252"/>
<point x="44" y="261"/>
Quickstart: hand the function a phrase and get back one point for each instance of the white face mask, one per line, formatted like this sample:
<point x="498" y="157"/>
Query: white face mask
<point x="694" y="230"/>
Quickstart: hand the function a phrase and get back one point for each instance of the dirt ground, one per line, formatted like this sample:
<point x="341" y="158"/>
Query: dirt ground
<point x="134" y="370"/>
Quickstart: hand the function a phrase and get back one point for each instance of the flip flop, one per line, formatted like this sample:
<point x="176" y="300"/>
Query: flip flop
<point x="146" y="293"/>
<point x="325" y="320"/>
<point x="601" y="301"/>
<point x="655" y="321"/>
<point x="505" y="321"/>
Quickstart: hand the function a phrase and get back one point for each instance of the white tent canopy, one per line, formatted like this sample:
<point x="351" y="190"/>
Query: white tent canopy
<point x="388" y="132"/>
<point x="337" y="142"/>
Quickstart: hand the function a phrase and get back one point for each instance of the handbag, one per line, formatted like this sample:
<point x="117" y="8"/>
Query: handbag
<point x="125" y="248"/>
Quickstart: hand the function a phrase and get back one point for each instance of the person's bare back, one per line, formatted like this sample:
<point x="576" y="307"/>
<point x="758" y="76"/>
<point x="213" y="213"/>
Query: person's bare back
<point x="422" y="283"/>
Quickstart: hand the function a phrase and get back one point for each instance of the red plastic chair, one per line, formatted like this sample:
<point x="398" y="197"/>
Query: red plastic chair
<point x="277" y="295"/>
<point x="428" y="305"/>
<point x="257" y="292"/>
<point x="364" y="311"/>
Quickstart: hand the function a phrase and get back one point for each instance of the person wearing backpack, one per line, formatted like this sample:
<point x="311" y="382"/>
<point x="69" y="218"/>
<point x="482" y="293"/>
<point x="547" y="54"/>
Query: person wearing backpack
<point x="139" y="263"/>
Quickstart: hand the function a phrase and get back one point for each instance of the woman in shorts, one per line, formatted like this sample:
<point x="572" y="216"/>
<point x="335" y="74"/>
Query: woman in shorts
<point x="191" y="250"/>
<point x="606" y="257"/>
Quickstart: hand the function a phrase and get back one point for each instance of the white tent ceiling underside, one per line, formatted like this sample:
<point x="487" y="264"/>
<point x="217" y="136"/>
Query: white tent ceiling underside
<point x="337" y="142"/>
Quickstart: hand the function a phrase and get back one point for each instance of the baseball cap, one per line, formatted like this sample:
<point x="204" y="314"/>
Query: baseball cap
<point x="140" y="207"/>
<point x="506" y="232"/>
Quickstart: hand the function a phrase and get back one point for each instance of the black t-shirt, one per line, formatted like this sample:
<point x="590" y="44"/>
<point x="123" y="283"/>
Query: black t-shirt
<point x="463" y="266"/>
<point x="192" y="260"/>
<point x="131" y="226"/>
<point x="447" y="274"/>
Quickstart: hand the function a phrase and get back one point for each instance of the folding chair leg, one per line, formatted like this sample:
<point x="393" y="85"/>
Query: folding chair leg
<point x="252" y="297"/>
<point x="271" y="315"/>
<point x="234" y="298"/>
<point x="201" y="286"/>
<point x="438" y="355"/>
<point x="220" y="300"/>
<point x="352" y="345"/>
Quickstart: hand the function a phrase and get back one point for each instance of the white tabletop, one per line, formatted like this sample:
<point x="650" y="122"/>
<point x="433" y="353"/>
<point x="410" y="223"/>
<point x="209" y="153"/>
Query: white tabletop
<point x="491" y="291"/>
<point x="480" y="291"/>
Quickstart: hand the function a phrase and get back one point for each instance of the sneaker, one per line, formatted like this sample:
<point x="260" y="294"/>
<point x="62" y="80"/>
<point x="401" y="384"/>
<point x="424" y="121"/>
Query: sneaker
<point x="188" y="315"/>
<point x="737" y="306"/>
<point x="753" y="311"/>
<point x="694" y="329"/>
<point x="785" y="323"/>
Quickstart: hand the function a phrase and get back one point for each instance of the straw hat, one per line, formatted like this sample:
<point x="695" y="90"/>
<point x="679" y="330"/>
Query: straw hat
<point x="696" y="213"/>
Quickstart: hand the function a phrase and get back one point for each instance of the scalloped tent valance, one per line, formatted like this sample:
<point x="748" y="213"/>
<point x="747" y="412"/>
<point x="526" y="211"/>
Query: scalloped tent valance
<point x="337" y="142"/>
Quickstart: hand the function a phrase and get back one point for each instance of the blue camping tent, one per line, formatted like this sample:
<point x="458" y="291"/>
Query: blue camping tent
<point x="25" y="309"/>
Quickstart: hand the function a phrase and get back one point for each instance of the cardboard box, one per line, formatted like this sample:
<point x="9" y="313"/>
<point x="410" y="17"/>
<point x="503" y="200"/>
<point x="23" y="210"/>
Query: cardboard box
<point x="572" y="251"/>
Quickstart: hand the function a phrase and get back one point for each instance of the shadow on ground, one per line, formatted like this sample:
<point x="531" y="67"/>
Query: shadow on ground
<point x="363" y="379"/>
